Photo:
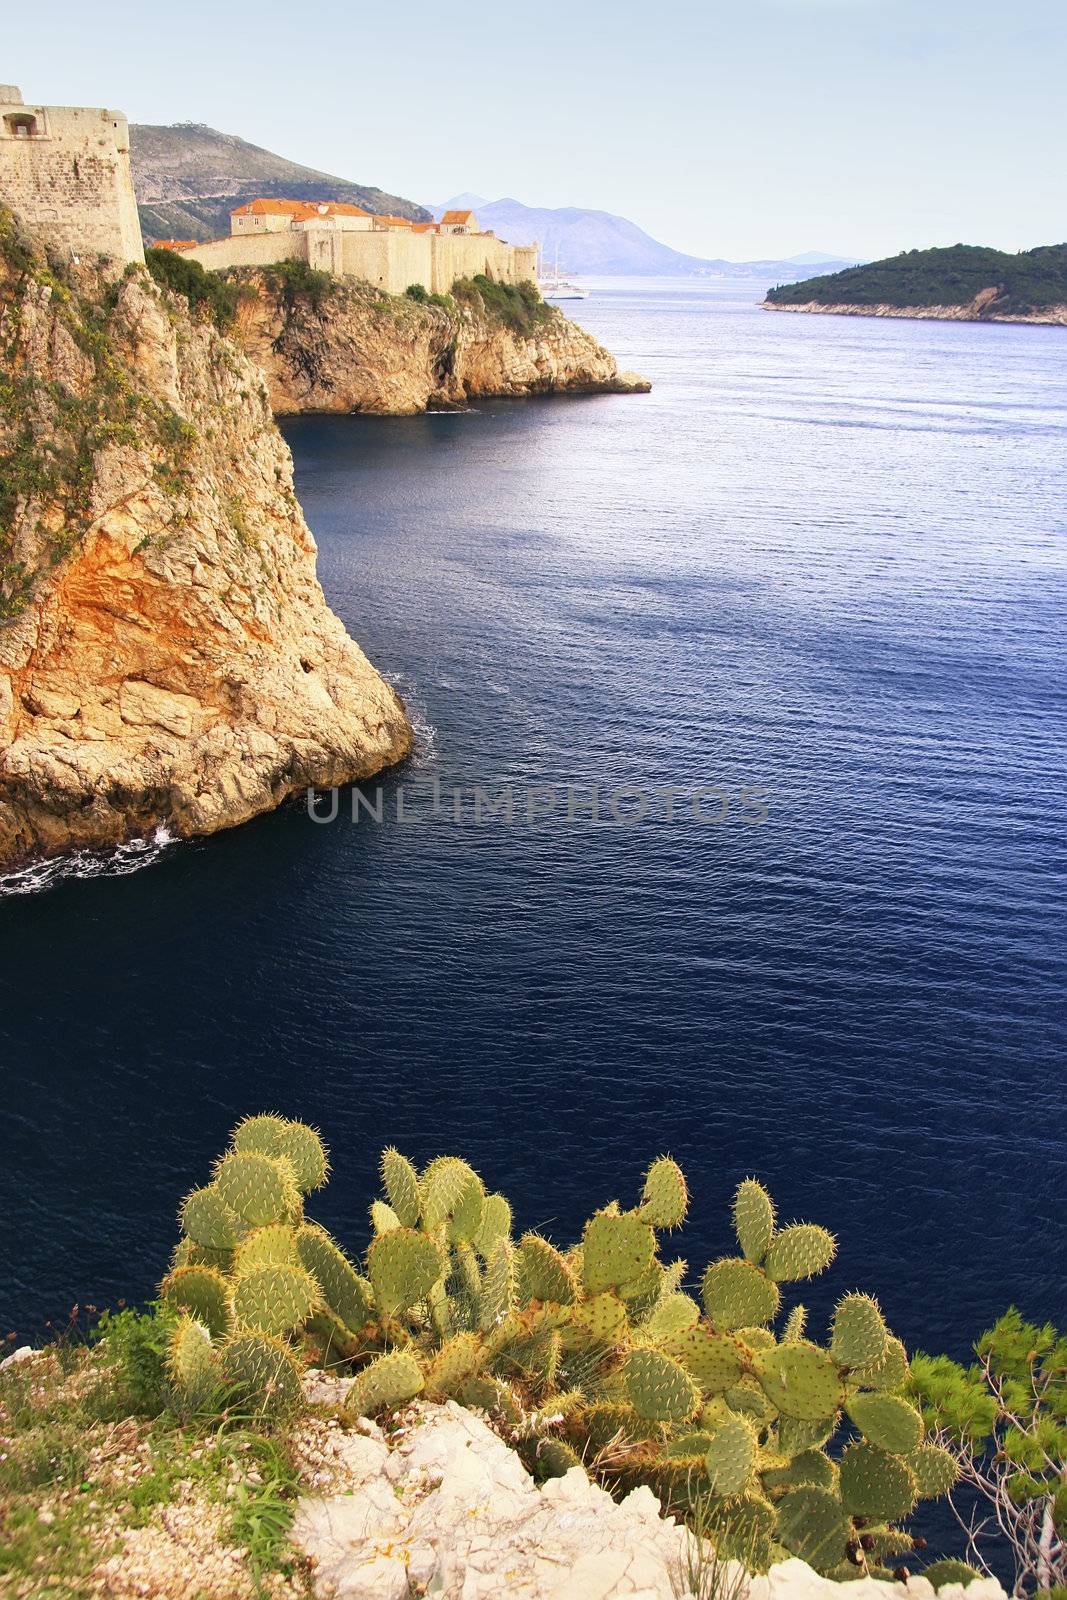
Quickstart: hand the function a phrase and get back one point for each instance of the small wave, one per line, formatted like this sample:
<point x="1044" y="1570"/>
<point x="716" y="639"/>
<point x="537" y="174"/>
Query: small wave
<point x="424" y="750"/>
<point x="117" y="863"/>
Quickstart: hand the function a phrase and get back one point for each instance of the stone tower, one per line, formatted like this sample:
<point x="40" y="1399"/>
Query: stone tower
<point x="65" y="171"/>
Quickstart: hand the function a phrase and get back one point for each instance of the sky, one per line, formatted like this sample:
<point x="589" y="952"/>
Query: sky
<point x="762" y="128"/>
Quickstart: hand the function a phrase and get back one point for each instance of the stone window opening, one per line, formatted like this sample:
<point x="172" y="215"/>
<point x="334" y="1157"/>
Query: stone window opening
<point x="21" y="125"/>
<point x="77" y="169"/>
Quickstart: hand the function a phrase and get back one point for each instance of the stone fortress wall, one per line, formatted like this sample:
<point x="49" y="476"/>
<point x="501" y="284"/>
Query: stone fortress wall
<point x="389" y="257"/>
<point x="66" y="171"/>
<point x="390" y="260"/>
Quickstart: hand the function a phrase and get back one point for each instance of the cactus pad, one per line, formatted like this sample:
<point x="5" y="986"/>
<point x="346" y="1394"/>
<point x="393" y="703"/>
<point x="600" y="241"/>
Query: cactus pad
<point x="659" y="1388"/>
<point x="800" y="1252"/>
<point x="346" y="1294"/>
<point x="714" y="1360"/>
<point x="800" y="1381"/>
<point x="191" y="1362"/>
<point x="300" y="1145"/>
<point x="274" y="1300"/>
<point x="204" y="1294"/>
<point x="859" y="1335"/>
<point x="274" y="1245"/>
<point x="672" y="1313"/>
<point x="259" y="1188"/>
<point x="209" y="1221"/>
<point x="737" y="1294"/>
<point x="389" y="1381"/>
<point x="555" y="1458"/>
<point x="600" y="1320"/>
<point x="490" y="1394"/>
<point x="807" y="1467"/>
<point x="615" y="1251"/>
<point x="404" y="1265"/>
<point x="401" y="1184"/>
<point x="665" y="1198"/>
<point x="545" y="1274"/>
<point x="731" y="1457"/>
<point x="264" y="1372"/>
<point x="935" y="1470"/>
<point x="453" y="1196"/>
<point x="890" y="1373"/>
<point x="496" y="1224"/>
<point x="458" y="1359"/>
<point x="795" y="1325"/>
<point x="887" y="1420"/>
<point x="939" y="1573"/>
<point x="497" y="1295"/>
<point x="383" y="1218"/>
<point x="812" y="1524"/>
<point x="875" y="1483"/>
<point x="753" y="1220"/>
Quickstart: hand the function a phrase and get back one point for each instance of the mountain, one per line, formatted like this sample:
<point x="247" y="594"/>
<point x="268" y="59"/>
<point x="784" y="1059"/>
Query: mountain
<point x="189" y="177"/>
<point x="816" y="258"/>
<point x="967" y="281"/>
<point x="600" y="242"/>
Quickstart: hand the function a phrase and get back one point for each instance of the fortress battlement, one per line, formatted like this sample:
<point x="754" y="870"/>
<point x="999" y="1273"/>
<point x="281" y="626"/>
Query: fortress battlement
<point x="66" y="171"/>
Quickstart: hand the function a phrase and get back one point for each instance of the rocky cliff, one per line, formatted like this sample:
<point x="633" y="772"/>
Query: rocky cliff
<point x="981" y="309"/>
<point x="326" y="345"/>
<point x="166" y="652"/>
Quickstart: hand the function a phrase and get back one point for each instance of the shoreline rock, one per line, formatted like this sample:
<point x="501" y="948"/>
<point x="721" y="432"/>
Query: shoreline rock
<point x="172" y="659"/>
<point x="976" y="310"/>
<point x="357" y="350"/>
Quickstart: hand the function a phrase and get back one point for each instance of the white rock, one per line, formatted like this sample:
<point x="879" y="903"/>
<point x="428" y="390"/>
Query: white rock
<point x="25" y="1352"/>
<point x="451" y="1510"/>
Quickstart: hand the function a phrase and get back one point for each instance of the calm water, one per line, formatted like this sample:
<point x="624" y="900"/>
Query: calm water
<point x="824" y="557"/>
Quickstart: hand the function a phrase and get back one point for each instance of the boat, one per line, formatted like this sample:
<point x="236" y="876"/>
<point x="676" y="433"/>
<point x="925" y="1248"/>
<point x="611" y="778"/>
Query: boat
<point x="558" y="285"/>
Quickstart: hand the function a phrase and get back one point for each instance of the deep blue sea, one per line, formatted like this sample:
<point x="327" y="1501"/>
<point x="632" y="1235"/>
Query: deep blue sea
<point x="825" y="559"/>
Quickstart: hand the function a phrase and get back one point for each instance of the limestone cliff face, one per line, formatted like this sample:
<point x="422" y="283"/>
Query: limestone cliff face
<point x="166" y="652"/>
<point x="358" y="350"/>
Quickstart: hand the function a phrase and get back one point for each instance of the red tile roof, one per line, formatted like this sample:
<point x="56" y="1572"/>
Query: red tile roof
<point x="299" y="210"/>
<point x="175" y="244"/>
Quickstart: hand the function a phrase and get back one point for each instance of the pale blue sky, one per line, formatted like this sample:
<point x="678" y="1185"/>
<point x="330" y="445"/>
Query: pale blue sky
<point x="761" y="128"/>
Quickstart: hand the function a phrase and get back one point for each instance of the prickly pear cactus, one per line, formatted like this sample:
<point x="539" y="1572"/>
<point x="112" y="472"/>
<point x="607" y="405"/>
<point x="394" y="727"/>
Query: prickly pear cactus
<point x="603" y="1354"/>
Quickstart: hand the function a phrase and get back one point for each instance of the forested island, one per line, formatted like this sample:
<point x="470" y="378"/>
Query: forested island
<point x="963" y="282"/>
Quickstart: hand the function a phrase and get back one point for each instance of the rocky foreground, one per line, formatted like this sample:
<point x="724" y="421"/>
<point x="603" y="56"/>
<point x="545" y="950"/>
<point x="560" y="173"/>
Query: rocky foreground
<point x="354" y="349"/>
<point x="444" y="1507"/>
<point x="166" y="652"/>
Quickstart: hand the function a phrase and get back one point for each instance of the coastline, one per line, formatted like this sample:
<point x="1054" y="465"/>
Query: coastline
<point x="1053" y="317"/>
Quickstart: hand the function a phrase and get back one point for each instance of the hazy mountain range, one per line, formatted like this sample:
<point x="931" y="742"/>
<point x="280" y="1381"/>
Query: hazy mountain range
<point x="598" y="242"/>
<point x="189" y="177"/>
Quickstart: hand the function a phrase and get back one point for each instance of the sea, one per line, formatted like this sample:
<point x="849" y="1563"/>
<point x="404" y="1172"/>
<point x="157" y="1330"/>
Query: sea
<point x="734" y="829"/>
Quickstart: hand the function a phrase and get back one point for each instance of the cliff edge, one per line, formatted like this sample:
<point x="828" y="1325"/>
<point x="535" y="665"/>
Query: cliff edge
<point x="332" y="345"/>
<point x="166" y="652"/>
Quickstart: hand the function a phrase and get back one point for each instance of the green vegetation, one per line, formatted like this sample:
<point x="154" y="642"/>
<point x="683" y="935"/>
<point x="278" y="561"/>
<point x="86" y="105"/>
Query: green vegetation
<point x="51" y="431"/>
<point x="296" y="281"/>
<point x="422" y="297"/>
<point x="1027" y="282"/>
<point x="94" y="1443"/>
<point x="596" y="1354"/>
<point x="1004" y="1417"/>
<point x="206" y="292"/>
<point x="518" y="306"/>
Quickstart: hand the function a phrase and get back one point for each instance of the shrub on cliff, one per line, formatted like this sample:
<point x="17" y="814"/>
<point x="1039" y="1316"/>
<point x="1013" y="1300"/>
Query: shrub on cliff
<point x="518" y="306"/>
<point x="293" y="281"/>
<point x="1004" y="1418"/>
<point x="594" y="1354"/>
<point x="206" y="292"/>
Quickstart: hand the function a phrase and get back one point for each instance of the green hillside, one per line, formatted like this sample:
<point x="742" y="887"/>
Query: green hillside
<point x="1026" y="282"/>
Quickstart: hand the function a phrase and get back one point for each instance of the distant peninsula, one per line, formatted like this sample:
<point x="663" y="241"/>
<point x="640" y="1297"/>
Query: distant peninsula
<point x="962" y="283"/>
